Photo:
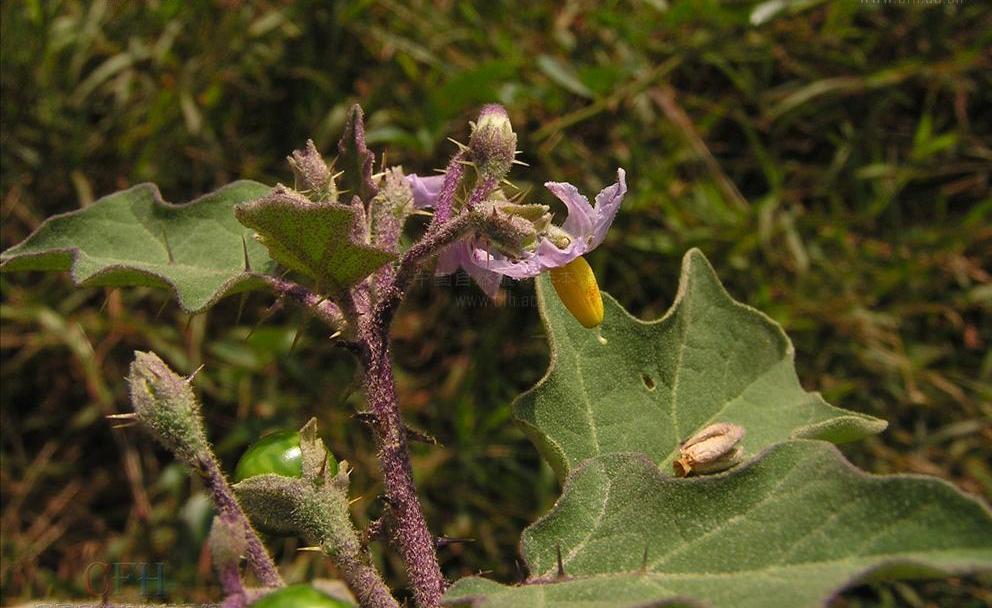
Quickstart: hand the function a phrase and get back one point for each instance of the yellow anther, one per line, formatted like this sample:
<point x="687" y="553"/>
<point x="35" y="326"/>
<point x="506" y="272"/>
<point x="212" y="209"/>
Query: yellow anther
<point x="576" y="286"/>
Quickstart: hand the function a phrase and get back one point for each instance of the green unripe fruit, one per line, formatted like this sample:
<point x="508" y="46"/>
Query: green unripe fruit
<point x="300" y="596"/>
<point x="277" y="453"/>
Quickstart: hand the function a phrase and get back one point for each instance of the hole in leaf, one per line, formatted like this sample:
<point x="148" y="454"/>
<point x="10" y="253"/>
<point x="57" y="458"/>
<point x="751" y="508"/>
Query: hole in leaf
<point x="648" y="382"/>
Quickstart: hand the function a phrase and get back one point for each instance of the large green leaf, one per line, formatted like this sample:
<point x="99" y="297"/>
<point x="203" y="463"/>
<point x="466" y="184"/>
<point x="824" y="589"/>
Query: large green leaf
<point x="789" y="529"/>
<point x="653" y="384"/>
<point x="316" y="239"/>
<point x="133" y="237"/>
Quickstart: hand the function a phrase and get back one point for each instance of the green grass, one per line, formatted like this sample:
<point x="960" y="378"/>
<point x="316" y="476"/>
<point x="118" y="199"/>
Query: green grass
<point x="834" y="163"/>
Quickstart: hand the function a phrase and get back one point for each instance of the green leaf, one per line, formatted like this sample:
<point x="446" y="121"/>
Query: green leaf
<point x="315" y="239"/>
<point x="134" y="238"/>
<point x="789" y="529"/>
<point x="653" y="384"/>
<point x="563" y="75"/>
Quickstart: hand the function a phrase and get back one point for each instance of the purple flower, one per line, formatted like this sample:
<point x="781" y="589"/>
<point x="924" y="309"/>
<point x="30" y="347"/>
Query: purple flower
<point x="425" y="189"/>
<point x="584" y="229"/>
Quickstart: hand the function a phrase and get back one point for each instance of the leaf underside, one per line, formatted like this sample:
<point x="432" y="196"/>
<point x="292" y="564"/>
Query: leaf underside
<point x="313" y="239"/>
<point x="133" y="238"/>
<point x="789" y="529"/>
<point x="653" y="384"/>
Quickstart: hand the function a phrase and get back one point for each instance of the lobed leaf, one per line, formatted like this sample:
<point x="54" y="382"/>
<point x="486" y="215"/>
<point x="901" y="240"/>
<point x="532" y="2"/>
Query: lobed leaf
<point x="315" y="239"/>
<point x="653" y="384"/>
<point x="791" y="529"/>
<point x="134" y="238"/>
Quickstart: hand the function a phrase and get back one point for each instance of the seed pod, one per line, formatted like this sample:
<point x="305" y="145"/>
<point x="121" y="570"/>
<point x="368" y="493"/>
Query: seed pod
<point x="576" y="286"/>
<point x="715" y="448"/>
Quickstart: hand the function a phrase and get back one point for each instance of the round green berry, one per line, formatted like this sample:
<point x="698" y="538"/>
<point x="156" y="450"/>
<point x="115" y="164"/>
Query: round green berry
<point x="299" y="596"/>
<point x="277" y="453"/>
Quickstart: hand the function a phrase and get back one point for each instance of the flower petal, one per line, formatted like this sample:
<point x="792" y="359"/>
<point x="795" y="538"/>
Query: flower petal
<point x="607" y="204"/>
<point x="581" y="216"/>
<point x="425" y="189"/>
<point x="545" y="257"/>
<point x="487" y="280"/>
<point x="451" y="258"/>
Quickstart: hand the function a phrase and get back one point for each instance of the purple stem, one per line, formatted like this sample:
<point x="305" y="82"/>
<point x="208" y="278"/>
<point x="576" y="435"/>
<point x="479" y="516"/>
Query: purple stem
<point x="361" y="577"/>
<point x="322" y="308"/>
<point x="444" y="204"/>
<point x="230" y="582"/>
<point x="414" y="540"/>
<point x="432" y="242"/>
<point x="258" y="558"/>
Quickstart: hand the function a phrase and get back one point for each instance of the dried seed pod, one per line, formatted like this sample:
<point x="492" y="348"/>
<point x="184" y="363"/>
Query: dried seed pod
<point x="715" y="448"/>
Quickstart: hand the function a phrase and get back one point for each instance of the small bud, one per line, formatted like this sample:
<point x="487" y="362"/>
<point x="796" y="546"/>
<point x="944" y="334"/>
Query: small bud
<point x="165" y="404"/>
<point x="715" y="448"/>
<point x="312" y="173"/>
<point x="493" y="143"/>
<point x="576" y="285"/>
<point x="390" y="208"/>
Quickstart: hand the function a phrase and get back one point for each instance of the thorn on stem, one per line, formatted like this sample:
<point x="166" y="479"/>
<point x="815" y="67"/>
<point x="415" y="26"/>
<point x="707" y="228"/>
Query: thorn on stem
<point x="561" y="566"/>
<point x="106" y="299"/>
<point x="444" y="541"/>
<point x="127" y="416"/>
<point x="161" y="309"/>
<point x="296" y="338"/>
<point x="195" y="372"/>
<point x="271" y="310"/>
<point x="366" y="417"/>
<point x="244" y="248"/>
<point x="644" y="560"/>
<point x="420" y="436"/>
<point x="241" y="307"/>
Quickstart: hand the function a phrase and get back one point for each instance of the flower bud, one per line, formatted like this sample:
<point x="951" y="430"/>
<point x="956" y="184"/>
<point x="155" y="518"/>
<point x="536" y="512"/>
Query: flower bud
<point x="711" y="450"/>
<point x="506" y="226"/>
<point x="493" y="143"/>
<point x="166" y="406"/>
<point x="390" y="208"/>
<point x="312" y="174"/>
<point x="576" y="285"/>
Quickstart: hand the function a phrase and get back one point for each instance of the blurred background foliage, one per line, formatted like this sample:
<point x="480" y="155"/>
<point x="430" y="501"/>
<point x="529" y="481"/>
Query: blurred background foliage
<point x="832" y="159"/>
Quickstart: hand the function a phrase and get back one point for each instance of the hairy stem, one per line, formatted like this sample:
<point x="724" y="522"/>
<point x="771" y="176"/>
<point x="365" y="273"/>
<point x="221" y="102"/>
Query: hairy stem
<point x="444" y="205"/>
<point x="340" y="543"/>
<point x="432" y="242"/>
<point x="258" y="558"/>
<point x="322" y="308"/>
<point x="414" y="541"/>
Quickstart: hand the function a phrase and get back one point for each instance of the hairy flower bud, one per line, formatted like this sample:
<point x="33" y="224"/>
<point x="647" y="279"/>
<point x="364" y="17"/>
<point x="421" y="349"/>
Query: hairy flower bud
<point x="493" y="143"/>
<point x="166" y="406"/>
<point x="390" y="208"/>
<point x="509" y="227"/>
<point x="576" y="285"/>
<point x="312" y="173"/>
<point x="711" y="450"/>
